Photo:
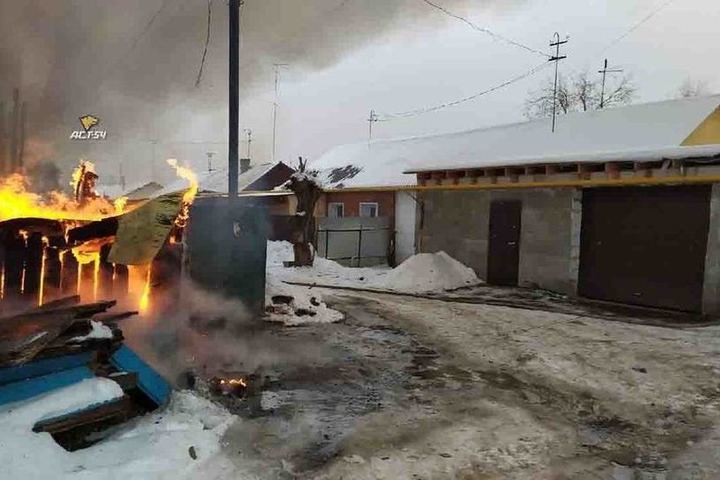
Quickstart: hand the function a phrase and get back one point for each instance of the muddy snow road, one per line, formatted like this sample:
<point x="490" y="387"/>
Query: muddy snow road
<point x="414" y="388"/>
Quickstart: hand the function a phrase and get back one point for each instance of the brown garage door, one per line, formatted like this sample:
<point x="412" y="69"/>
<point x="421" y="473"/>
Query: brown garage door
<point x="645" y="246"/>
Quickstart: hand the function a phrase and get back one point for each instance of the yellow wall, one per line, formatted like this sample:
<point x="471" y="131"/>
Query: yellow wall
<point x="707" y="133"/>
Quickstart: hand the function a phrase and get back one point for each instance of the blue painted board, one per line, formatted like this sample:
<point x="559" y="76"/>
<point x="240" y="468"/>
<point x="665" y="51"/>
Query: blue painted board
<point x="24" y="389"/>
<point x="149" y="381"/>
<point x="43" y="367"/>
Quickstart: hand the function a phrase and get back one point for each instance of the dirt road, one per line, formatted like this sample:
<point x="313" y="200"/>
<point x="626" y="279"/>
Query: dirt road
<point x="414" y="388"/>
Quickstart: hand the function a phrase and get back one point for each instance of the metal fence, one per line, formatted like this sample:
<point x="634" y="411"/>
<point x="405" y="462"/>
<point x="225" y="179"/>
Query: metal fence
<point x="355" y="241"/>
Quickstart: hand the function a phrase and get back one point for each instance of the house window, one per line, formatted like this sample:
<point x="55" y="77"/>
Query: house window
<point x="336" y="209"/>
<point x="368" y="209"/>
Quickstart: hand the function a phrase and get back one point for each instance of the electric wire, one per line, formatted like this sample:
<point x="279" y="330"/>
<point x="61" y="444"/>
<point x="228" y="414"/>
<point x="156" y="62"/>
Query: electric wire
<point x="207" y="41"/>
<point x="637" y="25"/>
<point x="484" y="30"/>
<point x="421" y="111"/>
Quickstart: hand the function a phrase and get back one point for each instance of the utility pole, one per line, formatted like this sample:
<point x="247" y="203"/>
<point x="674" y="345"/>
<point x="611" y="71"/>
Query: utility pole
<point x="604" y="72"/>
<point x="372" y="119"/>
<point x="275" y="104"/>
<point x="556" y="58"/>
<point x="248" y="132"/>
<point x="233" y="96"/>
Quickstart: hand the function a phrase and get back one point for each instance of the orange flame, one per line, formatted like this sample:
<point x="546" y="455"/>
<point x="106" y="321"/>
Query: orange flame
<point x="189" y="196"/>
<point x="41" y="291"/>
<point x="16" y="201"/>
<point x="145" y="297"/>
<point x="233" y="382"/>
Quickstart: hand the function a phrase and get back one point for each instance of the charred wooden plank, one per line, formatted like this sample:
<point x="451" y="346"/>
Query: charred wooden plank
<point x="69" y="274"/>
<point x="121" y="282"/>
<point x="114" y="317"/>
<point x="60" y="303"/>
<point x="13" y="267"/>
<point x="52" y="272"/>
<point x="105" y="273"/>
<point x="85" y="310"/>
<point x="43" y="226"/>
<point x="103" y="228"/>
<point x="127" y="380"/>
<point x="33" y="266"/>
<point x="120" y="409"/>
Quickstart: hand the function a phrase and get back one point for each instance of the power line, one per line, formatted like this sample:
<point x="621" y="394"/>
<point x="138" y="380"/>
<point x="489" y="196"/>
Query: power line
<point x="420" y="111"/>
<point x="639" y="24"/>
<point x="487" y="31"/>
<point x="207" y="41"/>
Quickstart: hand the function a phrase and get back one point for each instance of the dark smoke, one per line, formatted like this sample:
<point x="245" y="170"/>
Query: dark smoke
<point x="133" y="61"/>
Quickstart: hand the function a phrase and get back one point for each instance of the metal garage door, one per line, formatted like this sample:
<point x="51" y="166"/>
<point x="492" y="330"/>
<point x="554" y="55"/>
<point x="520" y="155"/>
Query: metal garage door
<point x="645" y="245"/>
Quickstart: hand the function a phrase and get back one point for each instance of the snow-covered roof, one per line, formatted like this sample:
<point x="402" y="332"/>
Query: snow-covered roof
<point x="216" y="181"/>
<point x="650" y="127"/>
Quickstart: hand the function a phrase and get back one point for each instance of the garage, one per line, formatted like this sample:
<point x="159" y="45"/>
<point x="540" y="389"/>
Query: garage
<point x="645" y="245"/>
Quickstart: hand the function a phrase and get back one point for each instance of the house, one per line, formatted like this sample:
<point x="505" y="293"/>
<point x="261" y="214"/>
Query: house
<point x="363" y="181"/>
<point x="621" y="205"/>
<point x="263" y="177"/>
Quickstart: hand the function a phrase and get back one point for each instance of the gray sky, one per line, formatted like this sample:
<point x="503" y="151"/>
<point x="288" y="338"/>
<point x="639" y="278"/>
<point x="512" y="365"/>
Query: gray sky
<point x="406" y="56"/>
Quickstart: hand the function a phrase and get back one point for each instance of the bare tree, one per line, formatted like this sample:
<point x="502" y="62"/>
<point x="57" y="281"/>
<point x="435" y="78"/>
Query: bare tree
<point x="580" y="94"/>
<point x="307" y="189"/>
<point x="692" y="88"/>
<point x="540" y="102"/>
<point x="586" y="93"/>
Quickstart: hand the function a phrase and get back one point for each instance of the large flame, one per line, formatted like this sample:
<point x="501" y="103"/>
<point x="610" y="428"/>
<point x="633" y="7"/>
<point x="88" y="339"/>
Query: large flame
<point x="16" y="201"/>
<point x="189" y="196"/>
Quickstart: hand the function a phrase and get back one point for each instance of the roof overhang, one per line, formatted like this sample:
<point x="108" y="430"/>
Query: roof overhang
<point x="700" y="154"/>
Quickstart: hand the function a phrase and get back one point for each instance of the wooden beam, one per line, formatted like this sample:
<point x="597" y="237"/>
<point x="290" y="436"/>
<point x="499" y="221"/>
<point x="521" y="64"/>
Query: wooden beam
<point x="584" y="171"/>
<point x="612" y="170"/>
<point x="642" y="169"/>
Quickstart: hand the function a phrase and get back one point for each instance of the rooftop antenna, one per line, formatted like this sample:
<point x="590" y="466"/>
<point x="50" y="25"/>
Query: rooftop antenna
<point x="604" y="72"/>
<point x="556" y="58"/>
<point x="248" y="132"/>
<point x="277" y="66"/>
<point x="372" y="119"/>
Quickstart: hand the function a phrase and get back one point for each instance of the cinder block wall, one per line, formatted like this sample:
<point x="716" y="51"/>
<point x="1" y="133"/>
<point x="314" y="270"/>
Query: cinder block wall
<point x="457" y="222"/>
<point x="711" y="280"/>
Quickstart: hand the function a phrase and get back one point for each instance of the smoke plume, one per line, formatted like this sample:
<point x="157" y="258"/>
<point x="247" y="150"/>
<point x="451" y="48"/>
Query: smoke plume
<point x="134" y="63"/>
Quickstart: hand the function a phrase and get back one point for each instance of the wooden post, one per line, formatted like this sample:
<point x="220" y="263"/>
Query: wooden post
<point x="33" y="267"/>
<point x="105" y="276"/>
<point x="53" y="272"/>
<point x="120" y="283"/>
<point x="69" y="280"/>
<point x="13" y="267"/>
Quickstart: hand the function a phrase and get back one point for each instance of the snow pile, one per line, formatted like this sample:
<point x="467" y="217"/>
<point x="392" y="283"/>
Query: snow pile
<point x="152" y="447"/>
<point x="422" y="273"/>
<point x="293" y="304"/>
<point x="98" y="332"/>
<point x="428" y="272"/>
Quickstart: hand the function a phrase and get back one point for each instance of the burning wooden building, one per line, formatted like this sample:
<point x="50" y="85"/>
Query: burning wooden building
<point x="54" y="245"/>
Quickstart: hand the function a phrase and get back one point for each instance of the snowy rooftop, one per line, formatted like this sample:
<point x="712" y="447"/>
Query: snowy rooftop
<point x="638" y="129"/>
<point x="216" y="181"/>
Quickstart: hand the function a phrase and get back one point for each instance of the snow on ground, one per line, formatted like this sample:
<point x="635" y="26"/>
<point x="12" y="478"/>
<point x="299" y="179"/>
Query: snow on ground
<point x="422" y="273"/>
<point x="155" y="446"/>
<point x="296" y="305"/>
<point x="98" y="332"/>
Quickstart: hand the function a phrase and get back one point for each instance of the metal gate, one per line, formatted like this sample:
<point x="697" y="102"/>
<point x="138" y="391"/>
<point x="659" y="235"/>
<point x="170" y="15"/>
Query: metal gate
<point x="504" y="246"/>
<point x="645" y="245"/>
